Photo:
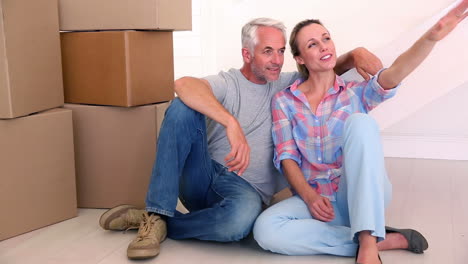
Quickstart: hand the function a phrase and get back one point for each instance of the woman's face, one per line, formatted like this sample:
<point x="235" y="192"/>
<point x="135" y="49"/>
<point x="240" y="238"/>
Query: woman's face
<point x="317" y="50"/>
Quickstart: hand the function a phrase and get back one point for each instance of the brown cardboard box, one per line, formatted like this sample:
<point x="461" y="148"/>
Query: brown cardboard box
<point x="114" y="151"/>
<point x="30" y="66"/>
<point x="85" y="15"/>
<point x="119" y="68"/>
<point x="37" y="171"/>
<point x="280" y="196"/>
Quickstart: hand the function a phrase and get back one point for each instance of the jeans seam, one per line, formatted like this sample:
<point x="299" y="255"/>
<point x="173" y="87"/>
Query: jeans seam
<point x="207" y="155"/>
<point x="220" y="174"/>
<point x="209" y="168"/>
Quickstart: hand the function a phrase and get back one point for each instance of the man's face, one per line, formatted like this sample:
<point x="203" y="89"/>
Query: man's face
<point x="268" y="57"/>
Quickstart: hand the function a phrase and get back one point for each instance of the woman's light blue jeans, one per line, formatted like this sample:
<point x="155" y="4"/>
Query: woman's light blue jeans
<point x="222" y="205"/>
<point x="364" y="191"/>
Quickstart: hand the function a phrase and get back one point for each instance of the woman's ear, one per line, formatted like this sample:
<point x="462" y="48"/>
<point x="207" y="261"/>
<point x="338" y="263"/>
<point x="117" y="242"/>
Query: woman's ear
<point x="246" y="55"/>
<point x="299" y="60"/>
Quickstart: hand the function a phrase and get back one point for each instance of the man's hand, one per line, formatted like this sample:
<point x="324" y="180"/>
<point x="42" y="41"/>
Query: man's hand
<point x="239" y="158"/>
<point x="321" y="208"/>
<point x="365" y="62"/>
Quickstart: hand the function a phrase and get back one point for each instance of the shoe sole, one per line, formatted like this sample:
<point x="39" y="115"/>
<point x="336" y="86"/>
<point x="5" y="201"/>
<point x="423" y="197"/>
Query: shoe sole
<point x="111" y="213"/>
<point x="142" y="253"/>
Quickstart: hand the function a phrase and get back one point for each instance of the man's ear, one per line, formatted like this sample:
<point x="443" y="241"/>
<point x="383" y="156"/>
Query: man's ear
<point x="299" y="60"/>
<point x="246" y="55"/>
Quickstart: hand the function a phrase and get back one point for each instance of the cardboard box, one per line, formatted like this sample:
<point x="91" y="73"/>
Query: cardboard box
<point x="114" y="151"/>
<point x="37" y="171"/>
<point x="119" y="68"/>
<point x="280" y="196"/>
<point x="30" y="64"/>
<point x="86" y="15"/>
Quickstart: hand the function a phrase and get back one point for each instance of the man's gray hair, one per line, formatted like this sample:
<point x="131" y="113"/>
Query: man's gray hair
<point x="249" y="31"/>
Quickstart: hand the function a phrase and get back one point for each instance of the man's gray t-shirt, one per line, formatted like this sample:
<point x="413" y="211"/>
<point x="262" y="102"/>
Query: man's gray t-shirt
<point x="250" y="103"/>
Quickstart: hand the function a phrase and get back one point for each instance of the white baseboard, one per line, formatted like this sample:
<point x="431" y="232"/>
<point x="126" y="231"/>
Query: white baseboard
<point x="446" y="147"/>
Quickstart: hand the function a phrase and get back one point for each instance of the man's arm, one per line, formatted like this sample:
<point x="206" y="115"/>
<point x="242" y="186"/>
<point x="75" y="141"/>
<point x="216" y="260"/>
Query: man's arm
<point x="414" y="56"/>
<point x="197" y="94"/>
<point x="363" y="60"/>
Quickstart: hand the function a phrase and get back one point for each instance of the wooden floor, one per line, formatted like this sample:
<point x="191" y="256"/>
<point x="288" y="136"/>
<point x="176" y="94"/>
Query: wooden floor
<point x="429" y="195"/>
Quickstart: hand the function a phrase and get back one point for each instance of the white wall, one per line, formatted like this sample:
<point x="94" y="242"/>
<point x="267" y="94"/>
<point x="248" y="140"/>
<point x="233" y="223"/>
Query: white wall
<point x="385" y="27"/>
<point x="438" y="130"/>
<point x="214" y="42"/>
<point x="369" y="23"/>
<point x="444" y="69"/>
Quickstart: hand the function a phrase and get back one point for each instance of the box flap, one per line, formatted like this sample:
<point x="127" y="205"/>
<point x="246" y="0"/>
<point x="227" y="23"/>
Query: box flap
<point x="85" y="15"/>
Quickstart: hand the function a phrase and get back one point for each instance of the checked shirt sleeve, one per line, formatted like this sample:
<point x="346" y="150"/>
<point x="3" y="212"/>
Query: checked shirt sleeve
<point x="285" y="145"/>
<point x="373" y="94"/>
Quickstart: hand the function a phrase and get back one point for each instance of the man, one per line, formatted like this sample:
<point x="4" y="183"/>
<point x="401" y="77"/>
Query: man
<point x="221" y="169"/>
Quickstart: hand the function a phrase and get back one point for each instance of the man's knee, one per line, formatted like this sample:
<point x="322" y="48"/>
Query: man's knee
<point x="178" y="112"/>
<point x="238" y="223"/>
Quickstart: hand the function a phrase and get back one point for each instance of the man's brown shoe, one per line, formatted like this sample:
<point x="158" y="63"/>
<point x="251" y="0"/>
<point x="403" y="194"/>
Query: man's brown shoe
<point x="152" y="232"/>
<point x="122" y="217"/>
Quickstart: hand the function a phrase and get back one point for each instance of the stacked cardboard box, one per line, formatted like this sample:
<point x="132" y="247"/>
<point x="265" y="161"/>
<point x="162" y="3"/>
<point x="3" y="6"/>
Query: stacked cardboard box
<point x="36" y="153"/>
<point x="118" y="79"/>
<point x="30" y="67"/>
<point x="115" y="151"/>
<point x="37" y="171"/>
<point x="118" y="68"/>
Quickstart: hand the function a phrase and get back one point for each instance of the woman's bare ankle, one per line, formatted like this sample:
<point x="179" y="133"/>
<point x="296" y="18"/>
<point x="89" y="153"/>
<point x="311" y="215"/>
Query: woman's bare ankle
<point x="368" y="250"/>
<point x="393" y="241"/>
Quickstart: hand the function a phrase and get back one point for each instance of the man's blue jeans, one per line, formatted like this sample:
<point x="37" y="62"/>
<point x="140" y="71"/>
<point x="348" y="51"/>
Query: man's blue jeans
<point x="222" y="206"/>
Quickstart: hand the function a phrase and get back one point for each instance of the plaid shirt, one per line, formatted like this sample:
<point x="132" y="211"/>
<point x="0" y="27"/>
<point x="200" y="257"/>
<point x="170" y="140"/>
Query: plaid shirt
<point x="314" y="140"/>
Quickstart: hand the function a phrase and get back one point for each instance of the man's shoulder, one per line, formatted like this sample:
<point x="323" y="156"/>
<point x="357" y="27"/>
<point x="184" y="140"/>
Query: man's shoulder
<point x="231" y="73"/>
<point x="222" y="78"/>
<point x="286" y="79"/>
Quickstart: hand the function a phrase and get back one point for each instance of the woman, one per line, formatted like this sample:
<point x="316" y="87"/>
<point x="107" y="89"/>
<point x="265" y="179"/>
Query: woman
<point x="330" y="152"/>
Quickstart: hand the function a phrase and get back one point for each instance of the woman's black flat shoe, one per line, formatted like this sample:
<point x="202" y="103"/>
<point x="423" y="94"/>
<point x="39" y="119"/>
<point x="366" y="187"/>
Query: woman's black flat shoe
<point x="416" y="241"/>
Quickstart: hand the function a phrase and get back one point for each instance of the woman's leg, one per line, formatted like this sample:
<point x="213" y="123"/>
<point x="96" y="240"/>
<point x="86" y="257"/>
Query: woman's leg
<point x="364" y="187"/>
<point x="288" y="228"/>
